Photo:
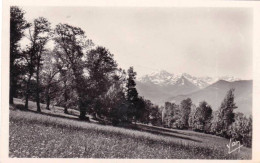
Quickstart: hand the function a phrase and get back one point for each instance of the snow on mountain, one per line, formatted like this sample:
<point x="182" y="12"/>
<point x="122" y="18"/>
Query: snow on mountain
<point x="164" y="78"/>
<point x="200" y="82"/>
<point x="163" y="86"/>
<point x="159" y="78"/>
<point x="160" y="86"/>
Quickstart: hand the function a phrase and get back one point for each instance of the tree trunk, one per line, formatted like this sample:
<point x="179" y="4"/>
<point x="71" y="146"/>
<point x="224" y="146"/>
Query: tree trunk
<point x="66" y="110"/>
<point x="47" y="97"/>
<point x="48" y="101"/>
<point x="82" y="115"/>
<point x="66" y="100"/>
<point x="11" y="91"/>
<point x="28" y="84"/>
<point x="27" y="92"/>
<point x="83" y="110"/>
<point x="80" y="92"/>
<point x="37" y="87"/>
<point x="48" y="104"/>
<point x="11" y="86"/>
<point x="66" y="97"/>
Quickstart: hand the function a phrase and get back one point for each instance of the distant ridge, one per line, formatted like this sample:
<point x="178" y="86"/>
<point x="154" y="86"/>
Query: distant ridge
<point x="215" y="93"/>
<point x="163" y="86"/>
<point x="164" y="78"/>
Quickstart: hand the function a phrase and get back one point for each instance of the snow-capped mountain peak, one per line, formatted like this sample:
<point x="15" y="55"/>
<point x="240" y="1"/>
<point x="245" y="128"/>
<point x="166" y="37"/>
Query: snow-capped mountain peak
<point x="228" y="78"/>
<point x="161" y="78"/>
<point x="164" y="78"/>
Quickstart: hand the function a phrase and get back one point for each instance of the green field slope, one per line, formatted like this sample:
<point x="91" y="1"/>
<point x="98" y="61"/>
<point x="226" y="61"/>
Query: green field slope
<point x="54" y="135"/>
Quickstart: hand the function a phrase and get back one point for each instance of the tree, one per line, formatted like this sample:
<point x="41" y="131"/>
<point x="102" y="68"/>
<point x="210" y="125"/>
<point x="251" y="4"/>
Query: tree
<point x="115" y="100"/>
<point x="169" y="114"/>
<point x="71" y="44"/>
<point x="38" y="37"/>
<point x="155" y="116"/>
<point x="147" y="112"/>
<point x="241" y="129"/>
<point x="49" y="77"/>
<point x="185" y="109"/>
<point x="202" y="117"/>
<point x="67" y="94"/>
<point x="66" y="86"/>
<point x="42" y="27"/>
<point x="143" y="108"/>
<point x="214" y="121"/>
<point x="192" y="116"/>
<point x="101" y="68"/>
<point x="18" y="25"/>
<point x="132" y="94"/>
<point x="225" y="116"/>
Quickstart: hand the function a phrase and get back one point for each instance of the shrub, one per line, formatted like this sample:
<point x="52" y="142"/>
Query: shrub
<point x="241" y="129"/>
<point x="202" y="117"/>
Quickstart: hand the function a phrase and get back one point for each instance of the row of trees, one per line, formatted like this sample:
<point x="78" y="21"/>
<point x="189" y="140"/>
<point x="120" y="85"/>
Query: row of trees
<point x="73" y="73"/>
<point x="224" y="122"/>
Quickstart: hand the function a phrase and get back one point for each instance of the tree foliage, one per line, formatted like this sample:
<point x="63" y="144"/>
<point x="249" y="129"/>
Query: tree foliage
<point x="185" y="109"/>
<point x="38" y="37"/>
<point x="101" y="68"/>
<point x="132" y="94"/>
<point x="49" y="76"/>
<point x="115" y="99"/>
<point x="202" y="117"/>
<point x="241" y="129"/>
<point x="170" y="114"/>
<point x="226" y="116"/>
<point x="18" y="25"/>
<point x="71" y="43"/>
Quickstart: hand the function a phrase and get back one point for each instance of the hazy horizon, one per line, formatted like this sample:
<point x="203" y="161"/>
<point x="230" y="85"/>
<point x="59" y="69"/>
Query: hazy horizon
<point x="199" y="41"/>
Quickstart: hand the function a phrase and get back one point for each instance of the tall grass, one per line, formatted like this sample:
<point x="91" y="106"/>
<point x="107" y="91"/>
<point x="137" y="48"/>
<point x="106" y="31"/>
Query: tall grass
<point x="37" y="135"/>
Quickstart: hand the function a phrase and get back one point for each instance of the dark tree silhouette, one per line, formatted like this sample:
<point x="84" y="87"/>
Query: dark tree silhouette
<point x="101" y="67"/>
<point x="49" y="77"/>
<point x="132" y="94"/>
<point x="115" y="100"/>
<point x="17" y="27"/>
<point x="38" y="36"/>
<point x="185" y="109"/>
<point x="71" y="43"/>
<point x="225" y="116"/>
<point x="202" y="117"/>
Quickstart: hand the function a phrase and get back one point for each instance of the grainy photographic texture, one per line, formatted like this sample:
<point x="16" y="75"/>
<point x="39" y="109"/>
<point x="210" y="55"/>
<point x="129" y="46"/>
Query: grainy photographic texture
<point x="130" y="82"/>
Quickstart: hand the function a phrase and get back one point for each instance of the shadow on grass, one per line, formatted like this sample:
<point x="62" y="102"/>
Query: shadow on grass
<point x="149" y="129"/>
<point x="169" y="134"/>
<point x="145" y="127"/>
<point x="21" y="108"/>
<point x="158" y="131"/>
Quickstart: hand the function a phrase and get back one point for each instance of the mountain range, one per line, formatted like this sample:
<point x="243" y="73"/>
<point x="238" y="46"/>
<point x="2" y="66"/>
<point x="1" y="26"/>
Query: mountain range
<point x="163" y="86"/>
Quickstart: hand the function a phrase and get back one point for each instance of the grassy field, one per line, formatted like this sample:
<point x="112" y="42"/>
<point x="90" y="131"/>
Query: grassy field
<point x="53" y="134"/>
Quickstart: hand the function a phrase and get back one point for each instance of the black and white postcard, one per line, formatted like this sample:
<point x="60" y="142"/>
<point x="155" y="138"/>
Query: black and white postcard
<point x="157" y="80"/>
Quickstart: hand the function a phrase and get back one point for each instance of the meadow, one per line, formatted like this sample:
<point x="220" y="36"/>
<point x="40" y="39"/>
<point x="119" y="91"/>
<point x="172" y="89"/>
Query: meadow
<point x="52" y="134"/>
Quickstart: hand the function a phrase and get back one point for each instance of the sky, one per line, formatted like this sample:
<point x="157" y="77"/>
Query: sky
<point x="198" y="41"/>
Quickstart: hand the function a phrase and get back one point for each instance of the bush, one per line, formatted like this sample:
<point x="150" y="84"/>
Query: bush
<point x="241" y="129"/>
<point x="202" y="117"/>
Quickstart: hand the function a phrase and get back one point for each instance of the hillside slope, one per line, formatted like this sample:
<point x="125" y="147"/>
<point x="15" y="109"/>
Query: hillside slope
<point x="215" y="93"/>
<point x="46" y="135"/>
